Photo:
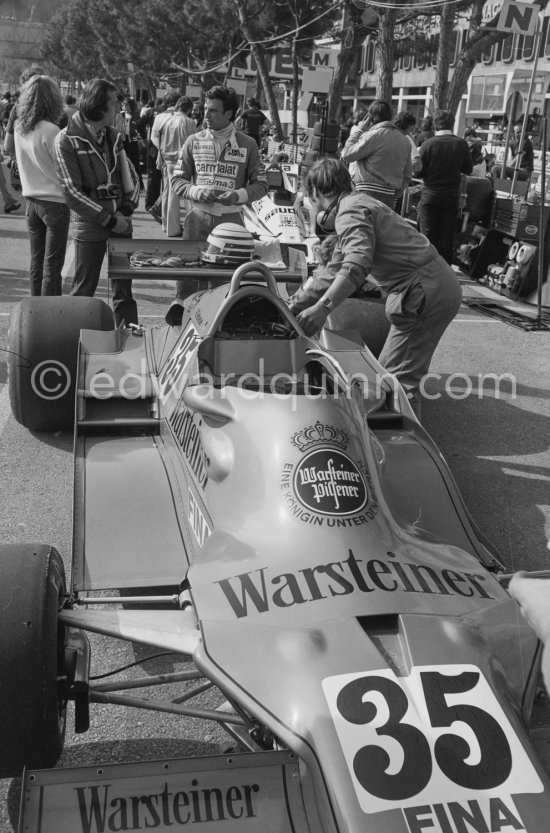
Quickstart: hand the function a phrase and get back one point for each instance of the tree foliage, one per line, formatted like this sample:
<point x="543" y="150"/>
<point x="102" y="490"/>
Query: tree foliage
<point x="263" y="24"/>
<point x="153" y="37"/>
<point x="197" y="40"/>
<point x="202" y="40"/>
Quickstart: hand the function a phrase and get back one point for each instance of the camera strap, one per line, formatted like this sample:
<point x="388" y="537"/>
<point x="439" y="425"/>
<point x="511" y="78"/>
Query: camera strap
<point x="109" y="156"/>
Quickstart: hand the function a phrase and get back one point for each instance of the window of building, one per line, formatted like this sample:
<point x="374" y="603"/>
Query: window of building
<point x="370" y="56"/>
<point x="487" y="93"/>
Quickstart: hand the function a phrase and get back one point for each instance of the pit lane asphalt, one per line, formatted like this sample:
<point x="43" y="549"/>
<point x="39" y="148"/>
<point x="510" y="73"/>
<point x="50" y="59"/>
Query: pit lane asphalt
<point x="497" y="448"/>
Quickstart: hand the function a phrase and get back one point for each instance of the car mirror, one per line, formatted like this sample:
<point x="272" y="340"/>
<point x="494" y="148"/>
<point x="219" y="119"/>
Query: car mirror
<point x="209" y="401"/>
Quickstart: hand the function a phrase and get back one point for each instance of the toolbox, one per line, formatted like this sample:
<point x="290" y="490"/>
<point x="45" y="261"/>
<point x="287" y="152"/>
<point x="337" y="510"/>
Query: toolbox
<point x="518" y="218"/>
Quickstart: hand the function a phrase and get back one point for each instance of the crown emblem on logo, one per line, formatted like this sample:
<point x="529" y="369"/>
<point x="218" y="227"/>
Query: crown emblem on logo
<point x="319" y="434"/>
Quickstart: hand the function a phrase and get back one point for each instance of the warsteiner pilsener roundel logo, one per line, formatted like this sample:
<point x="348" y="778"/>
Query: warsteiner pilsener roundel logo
<point x="328" y="482"/>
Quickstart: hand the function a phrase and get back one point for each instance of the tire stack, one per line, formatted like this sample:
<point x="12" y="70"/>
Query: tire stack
<point x="324" y="142"/>
<point x="325" y="137"/>
<point x="310" y="156"/>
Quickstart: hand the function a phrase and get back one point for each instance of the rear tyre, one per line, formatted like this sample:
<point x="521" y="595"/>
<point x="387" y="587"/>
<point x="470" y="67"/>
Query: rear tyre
<point x="367" y="317"/>
<point x="32" y="676"/>
<point x="43" y="353"/>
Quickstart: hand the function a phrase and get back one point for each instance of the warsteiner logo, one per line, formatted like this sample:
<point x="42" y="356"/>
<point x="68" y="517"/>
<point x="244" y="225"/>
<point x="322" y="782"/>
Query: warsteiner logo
<point x="327" y="481"/>
<point x="326" y="486"/>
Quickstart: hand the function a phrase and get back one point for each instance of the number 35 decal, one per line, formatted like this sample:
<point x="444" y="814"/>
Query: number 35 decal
<point x="437" y="734"/>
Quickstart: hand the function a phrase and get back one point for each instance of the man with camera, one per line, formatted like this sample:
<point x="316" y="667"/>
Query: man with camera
<point x="101" y="187"/>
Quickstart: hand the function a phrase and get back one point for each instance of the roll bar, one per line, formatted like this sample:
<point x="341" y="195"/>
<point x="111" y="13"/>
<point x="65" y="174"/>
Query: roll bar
<point x="253" y="266"/>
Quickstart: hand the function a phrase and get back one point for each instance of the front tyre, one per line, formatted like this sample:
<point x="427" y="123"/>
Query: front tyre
<point x="32" y="667"/>
<point x="43" y="356"/>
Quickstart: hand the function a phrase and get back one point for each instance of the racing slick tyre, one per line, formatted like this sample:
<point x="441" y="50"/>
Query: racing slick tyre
<point x="32" y="705"/>
<point x="368" y="317"/>
<point x="42" y="357"/>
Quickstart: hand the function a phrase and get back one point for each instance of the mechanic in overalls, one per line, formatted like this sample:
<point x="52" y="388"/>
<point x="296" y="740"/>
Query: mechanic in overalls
<point x="217" y="171"/>
<point x="102" y="188"/>
<point x="423" y="292"/>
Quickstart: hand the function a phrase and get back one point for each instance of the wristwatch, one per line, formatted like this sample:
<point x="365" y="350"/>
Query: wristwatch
<point x="328" y="303"/>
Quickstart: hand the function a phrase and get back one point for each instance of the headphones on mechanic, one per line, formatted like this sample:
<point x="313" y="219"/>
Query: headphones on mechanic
<point x="326" y="219"/>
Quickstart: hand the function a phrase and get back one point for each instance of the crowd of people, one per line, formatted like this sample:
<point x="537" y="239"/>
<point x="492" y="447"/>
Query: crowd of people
<point x="87" y="157"/>
<point x="378" y="161"/>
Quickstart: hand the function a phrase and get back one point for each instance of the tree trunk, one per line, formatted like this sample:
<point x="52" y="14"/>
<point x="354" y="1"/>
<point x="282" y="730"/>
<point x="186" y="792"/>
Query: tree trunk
<point x="258" y="89"/>
<point x="359" y="31"/>
<point x="447" y="22"/>
<point x="344" y="62"/>
<point x="467" y="58"/>
<point x="385" y="55"/>
<point x="259" y="56"/>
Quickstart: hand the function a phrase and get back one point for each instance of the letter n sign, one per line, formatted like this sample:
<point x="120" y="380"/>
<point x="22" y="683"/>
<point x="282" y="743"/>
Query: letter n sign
<point x="517" y="17"/>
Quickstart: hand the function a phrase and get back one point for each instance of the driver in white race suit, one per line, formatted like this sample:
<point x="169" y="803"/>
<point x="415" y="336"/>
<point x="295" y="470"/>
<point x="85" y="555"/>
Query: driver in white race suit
<point x="217" y="171"/>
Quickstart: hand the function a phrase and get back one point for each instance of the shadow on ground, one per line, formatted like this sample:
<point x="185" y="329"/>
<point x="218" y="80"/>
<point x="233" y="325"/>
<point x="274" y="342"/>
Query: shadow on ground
<point x="487" y="441"/>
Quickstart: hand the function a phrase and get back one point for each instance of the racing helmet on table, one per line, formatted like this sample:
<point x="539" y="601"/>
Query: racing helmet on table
<point x="228" y="244"/>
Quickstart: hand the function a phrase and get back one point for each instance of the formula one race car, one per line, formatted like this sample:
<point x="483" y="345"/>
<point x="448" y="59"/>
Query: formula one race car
<point x="322" y="572"/>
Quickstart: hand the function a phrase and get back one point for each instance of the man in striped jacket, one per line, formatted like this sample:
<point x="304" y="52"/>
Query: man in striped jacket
<point x="101" y="187"/>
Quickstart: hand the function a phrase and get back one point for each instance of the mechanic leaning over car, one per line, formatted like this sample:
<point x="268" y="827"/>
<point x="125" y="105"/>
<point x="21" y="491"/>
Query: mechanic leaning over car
<point x="102" y="188"/>
<point x="217" y="171"/>
<point x="423" y="292"/>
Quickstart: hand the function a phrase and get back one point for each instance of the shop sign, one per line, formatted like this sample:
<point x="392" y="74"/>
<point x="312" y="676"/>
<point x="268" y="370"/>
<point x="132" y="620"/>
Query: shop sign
<point x="514" y="17"/>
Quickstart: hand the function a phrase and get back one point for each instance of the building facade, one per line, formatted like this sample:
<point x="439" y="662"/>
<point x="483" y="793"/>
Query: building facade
<point x="505" y="67"/>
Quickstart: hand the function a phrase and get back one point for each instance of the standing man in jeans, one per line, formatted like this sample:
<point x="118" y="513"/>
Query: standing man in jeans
<point x="445" y="158"/>
<point x="102" y="188"/>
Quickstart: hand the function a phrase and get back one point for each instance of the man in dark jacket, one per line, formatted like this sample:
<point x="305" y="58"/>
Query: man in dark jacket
<point x="444" y="159"/>
<point x="252" y="121"/>
<point x="101" y="187"/>
<point x="426" y="131"/>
